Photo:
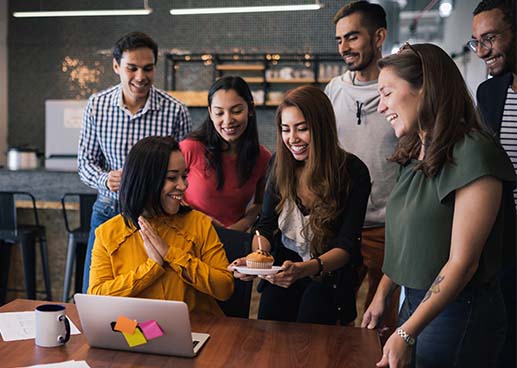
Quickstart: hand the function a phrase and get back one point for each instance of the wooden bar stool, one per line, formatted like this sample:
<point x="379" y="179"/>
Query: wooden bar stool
<point x="11" y="232"/>
<point x="77" y="241"/>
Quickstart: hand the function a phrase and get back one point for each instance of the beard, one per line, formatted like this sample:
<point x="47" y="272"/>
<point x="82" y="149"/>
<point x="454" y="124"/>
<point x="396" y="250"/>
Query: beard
<point x="512" y="59"/>
<point x="366" y="59"/>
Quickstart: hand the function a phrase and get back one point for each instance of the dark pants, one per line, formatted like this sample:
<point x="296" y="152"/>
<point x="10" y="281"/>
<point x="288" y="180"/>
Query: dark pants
<point x="307" y="300"/>
<point x="103" y="209"/>
<point x="469" y="332"/>
<point x="507" y="277"/>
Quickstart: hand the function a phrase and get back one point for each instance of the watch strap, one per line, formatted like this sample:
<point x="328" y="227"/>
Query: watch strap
<point x="408" y="339"/>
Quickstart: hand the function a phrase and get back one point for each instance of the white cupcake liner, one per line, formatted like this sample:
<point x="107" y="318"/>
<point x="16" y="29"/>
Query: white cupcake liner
<point x="262" y="265"/>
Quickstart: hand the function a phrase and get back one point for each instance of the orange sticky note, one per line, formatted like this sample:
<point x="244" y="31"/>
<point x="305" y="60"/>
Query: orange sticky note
<point x="125" y="325"/>
<point x="135" y="339"/>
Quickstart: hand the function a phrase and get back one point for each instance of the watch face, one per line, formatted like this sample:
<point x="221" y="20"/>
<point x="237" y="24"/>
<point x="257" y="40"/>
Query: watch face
<point x="411" y="341"/>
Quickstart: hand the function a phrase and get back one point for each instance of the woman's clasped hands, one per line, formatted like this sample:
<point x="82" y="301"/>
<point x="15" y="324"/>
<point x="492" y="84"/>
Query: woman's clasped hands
<point x="154" y="245"/>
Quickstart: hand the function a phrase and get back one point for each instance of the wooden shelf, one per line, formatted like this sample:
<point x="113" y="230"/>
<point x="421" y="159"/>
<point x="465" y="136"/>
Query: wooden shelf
<point x="251" y="80"/>
<point x="292" y="80"/>
<point x="200" y="98"/>
<point x="191" y="98"/>
<point x="240" y="67"/>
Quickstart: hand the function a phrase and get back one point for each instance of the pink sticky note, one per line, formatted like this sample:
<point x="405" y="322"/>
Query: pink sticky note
<point x="151" y="329"/>
<point x="125" y="324"/>
<point x="135" y="339"/>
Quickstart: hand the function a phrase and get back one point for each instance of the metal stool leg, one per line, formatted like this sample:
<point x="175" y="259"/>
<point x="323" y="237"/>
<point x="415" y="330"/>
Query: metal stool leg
<point x="80" y="256"/>
<point x="28" y="245"/>
<point x="44" y="261"/>
<point x="70" y="259"/>
<point x="5" y="263"/>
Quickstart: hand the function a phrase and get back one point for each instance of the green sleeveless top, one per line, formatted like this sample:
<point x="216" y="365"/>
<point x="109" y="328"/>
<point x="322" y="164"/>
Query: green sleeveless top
<point x="420" y="212"/>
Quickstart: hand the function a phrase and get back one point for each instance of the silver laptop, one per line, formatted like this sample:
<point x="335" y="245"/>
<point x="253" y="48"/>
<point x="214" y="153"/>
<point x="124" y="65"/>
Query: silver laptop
<point x="99" y="313"/>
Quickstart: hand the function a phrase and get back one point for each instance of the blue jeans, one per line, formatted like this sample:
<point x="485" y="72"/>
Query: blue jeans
<point x="469" y="332"/>
<point x="104" y="208"/>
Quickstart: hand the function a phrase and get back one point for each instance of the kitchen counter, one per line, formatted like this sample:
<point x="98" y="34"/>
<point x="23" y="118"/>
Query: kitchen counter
<point x="45" y="185"/>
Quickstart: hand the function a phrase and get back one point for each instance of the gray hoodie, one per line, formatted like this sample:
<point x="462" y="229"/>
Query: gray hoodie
<point x="365" y="133"/>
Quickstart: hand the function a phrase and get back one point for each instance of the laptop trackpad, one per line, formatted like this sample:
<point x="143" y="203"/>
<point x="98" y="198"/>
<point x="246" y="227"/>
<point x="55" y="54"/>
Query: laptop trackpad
<point x="199" y="340"/>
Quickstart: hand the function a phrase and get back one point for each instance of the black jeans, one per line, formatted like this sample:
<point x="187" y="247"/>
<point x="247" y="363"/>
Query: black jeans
<point x="306" y="301"/>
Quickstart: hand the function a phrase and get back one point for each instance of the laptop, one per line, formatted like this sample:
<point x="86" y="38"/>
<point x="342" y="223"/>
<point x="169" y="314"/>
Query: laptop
<point x="98" y="314"/>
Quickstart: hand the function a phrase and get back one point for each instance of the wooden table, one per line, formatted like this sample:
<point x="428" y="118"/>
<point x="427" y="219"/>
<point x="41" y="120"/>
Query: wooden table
<point x="234" y="342"/>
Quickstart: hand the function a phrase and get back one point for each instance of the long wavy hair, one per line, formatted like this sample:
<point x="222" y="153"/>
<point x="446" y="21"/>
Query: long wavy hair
<point x="248" y="144"/>
<point x="143" y="176"/>
<point x="446" y="112"/>
<point x="324" y="171"/>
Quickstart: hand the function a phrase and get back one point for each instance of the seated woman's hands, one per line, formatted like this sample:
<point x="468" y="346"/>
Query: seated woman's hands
<point x="154" y="245"/>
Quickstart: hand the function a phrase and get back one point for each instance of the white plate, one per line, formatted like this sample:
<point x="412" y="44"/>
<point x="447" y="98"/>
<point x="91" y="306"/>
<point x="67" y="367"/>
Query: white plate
<point x="257" y="271"/>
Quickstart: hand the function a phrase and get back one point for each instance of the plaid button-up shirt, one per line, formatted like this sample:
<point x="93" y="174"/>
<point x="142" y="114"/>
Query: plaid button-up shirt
<point x="109" y="131"/>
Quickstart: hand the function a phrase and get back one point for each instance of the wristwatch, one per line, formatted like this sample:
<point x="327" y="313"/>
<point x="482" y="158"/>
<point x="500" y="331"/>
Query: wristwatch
<point x="406" y="337"/>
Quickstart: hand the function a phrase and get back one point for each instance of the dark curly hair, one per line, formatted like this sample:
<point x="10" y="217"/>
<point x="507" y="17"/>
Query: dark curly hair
<point x="507" y="7"/>
<point x="133" y="41"/>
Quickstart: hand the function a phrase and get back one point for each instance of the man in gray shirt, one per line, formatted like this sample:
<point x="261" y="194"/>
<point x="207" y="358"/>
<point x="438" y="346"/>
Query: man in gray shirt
<point x="360" y="33"/>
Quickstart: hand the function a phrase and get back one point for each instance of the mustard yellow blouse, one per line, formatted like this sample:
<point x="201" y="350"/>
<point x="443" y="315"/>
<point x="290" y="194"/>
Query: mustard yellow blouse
<point x="120" y="265"/>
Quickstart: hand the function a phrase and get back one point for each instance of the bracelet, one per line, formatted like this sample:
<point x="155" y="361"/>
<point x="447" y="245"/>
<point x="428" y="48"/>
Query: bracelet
<point x="320" y="266"/>
<point x="408" y="339"/>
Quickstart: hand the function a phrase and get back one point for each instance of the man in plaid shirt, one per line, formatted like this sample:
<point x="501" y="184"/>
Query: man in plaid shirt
<point x="116" y="118"/>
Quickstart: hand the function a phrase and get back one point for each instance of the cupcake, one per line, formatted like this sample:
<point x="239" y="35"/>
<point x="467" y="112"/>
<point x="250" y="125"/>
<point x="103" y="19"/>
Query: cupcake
<point x="259" y="259"/>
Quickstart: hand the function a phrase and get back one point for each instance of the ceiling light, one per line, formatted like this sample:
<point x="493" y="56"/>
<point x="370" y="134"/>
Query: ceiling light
<point x="84" y="13"/>
<point x="246" y="9"/>
<point x="445" y="8"/>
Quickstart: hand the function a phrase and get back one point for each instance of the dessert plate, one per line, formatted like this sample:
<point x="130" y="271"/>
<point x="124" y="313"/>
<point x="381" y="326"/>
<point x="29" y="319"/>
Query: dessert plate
<point x="257" y="271"/>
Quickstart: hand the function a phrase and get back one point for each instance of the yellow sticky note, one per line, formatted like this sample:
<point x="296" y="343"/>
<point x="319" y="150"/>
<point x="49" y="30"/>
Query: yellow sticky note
<point x="125" y="325"/>
<point x="135" y="339"/>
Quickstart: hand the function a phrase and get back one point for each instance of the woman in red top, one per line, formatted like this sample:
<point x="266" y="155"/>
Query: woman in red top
<point x="227" y="165"/>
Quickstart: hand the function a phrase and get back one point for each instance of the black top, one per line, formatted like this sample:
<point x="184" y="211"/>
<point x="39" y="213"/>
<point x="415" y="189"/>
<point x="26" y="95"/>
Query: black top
<point x="347" y="237"/>
<point x="491" y="95"/>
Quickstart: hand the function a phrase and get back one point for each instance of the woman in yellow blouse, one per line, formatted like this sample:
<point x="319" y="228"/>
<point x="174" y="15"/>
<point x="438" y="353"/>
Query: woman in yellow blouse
<point x="157" y="248"/>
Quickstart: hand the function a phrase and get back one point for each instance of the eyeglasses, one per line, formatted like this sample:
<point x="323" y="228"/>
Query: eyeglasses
<point x="485" y="42"/>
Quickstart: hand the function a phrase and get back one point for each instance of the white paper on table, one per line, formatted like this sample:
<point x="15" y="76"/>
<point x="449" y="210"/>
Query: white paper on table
<point x="21" y="326"/>
<point x="67" y="364"/>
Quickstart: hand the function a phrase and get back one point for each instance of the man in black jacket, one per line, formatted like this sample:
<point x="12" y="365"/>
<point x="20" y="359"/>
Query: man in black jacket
<point x="494" y="41"/>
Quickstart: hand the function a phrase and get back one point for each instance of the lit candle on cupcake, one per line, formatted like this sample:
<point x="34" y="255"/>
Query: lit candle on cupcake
<point x="259" y="258"/>
<point x="259" y="240"/>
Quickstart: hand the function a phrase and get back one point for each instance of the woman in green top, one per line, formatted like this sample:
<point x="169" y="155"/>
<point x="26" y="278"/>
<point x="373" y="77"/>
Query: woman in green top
<point x="446" y="219"/>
